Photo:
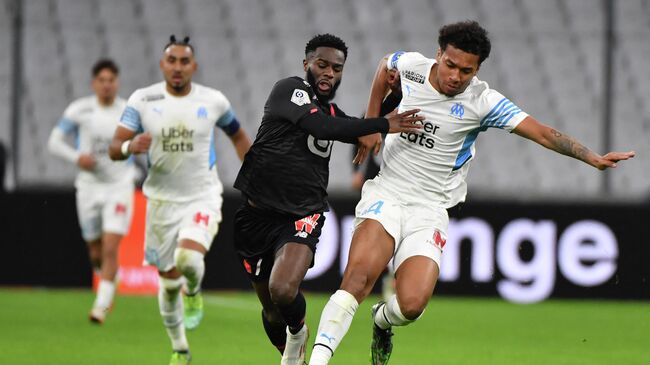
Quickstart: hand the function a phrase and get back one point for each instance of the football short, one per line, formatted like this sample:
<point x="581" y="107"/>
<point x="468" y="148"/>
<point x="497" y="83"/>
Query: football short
<point x="260" y="233"/>
<point x="418" y="229"/>
<point x="104" y="209"/>
<point x="168" y="223"/>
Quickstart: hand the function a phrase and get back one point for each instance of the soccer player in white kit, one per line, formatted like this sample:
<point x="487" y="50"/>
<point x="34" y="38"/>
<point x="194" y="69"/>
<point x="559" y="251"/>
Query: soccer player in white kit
<point x="173" y="122"/>
<point x="402" y="213"/>
<point x="104" y="188"/>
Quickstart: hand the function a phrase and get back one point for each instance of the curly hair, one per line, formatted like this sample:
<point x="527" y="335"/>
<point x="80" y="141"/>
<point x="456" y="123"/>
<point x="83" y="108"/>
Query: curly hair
<point x="467" y="36"/>
<point x="326" y="40"/>
<point x="105" y="63"/>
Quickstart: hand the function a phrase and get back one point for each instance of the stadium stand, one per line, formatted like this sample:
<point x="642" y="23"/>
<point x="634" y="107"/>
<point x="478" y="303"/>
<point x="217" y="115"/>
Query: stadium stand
<point x="547" y="57"/>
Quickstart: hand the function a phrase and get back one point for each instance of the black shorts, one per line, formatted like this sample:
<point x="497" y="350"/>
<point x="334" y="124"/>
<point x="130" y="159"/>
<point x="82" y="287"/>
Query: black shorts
<point x="260" y="233"/>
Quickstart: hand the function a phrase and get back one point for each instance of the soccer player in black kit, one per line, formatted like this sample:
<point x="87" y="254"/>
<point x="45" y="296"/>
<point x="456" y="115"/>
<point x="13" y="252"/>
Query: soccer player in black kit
<point x="283" y="180"/>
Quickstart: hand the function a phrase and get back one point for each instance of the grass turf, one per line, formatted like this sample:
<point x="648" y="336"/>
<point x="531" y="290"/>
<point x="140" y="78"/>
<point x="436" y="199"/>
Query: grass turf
<point x="41" y="326"/>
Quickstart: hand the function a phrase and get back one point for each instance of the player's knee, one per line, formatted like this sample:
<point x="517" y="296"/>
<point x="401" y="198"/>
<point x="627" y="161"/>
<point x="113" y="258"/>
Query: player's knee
<point x="282" y="293"/>
<point x="413" y="307"/>
<point x="358" y="283"/>
<point x="187" y="259"/>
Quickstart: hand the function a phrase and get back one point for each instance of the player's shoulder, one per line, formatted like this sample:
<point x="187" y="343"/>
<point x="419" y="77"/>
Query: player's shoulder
<point x="208" y="92"/>
<point x="291" y="83"/>
<point x="407" y="58"/>
<point x="85" y="104"/>
<point x="149" y="93"/>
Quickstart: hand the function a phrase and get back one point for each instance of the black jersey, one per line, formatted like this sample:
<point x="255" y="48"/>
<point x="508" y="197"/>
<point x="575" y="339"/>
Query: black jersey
<point x="287" y="169"/>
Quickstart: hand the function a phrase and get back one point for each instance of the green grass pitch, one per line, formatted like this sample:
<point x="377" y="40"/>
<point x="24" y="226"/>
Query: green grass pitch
<point x="39" y="326"/>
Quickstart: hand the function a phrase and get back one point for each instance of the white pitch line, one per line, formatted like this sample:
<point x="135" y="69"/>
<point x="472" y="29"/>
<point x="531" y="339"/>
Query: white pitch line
<point x="234" y="303"/>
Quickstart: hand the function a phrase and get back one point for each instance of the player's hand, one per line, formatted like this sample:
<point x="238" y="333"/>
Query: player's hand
<point x="407" y="122"/>
<point x="610" y="159"/>
<point x="367" y="144"/>
<point x="140" y="143"/>
<point x="86" y="162"/>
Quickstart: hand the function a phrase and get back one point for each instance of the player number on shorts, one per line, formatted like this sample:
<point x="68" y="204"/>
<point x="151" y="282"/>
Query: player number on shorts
<point x="375" y="208"/>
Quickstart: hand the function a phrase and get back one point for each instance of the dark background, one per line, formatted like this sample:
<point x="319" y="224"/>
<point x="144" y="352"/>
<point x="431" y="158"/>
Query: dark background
<point x="42" y="245"/>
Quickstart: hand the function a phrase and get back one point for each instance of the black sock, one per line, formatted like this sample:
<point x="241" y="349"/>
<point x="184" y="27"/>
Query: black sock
<point x="294" y="313"/>
<point x="276" y="332"/>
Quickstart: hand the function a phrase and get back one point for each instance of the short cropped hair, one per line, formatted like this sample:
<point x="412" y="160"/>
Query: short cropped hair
<point x="105" y="63"/>
<point x="467" y="36"/>
<point x="326" y="40"/>
<point x="175" y="42"/>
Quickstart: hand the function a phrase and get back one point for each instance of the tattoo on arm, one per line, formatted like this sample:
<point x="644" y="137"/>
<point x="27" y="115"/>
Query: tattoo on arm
<point x="567" y="145"/>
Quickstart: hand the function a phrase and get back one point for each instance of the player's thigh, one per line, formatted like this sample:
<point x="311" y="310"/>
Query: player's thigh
<point x="370" y="251"/>
<point x="89" y="213"/>
<point x="163" y="221"/>
<point x="292" y="261"/>
<point x="200" y="222"/>
<point x="118" y="210"/>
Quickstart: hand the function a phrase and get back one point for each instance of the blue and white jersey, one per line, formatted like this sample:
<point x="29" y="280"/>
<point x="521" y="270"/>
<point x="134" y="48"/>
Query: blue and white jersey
<point x="431" y="166"/>
<point x="182" y="160"/>
<point x="93" y="126"/>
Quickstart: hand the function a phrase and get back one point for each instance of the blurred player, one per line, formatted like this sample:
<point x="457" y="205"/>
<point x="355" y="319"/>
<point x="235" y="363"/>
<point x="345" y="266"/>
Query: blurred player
<point x="104" y="187"/>
<point x="402" y="213"/>
<point x="173" y="122"/>
<point x="284" y="179"/>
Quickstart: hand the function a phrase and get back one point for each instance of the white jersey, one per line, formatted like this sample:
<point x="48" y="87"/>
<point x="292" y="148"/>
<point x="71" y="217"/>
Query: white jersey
<point x="431" y="166"/>
<point x="182" y="157"/>
<point x="93" y="126"/>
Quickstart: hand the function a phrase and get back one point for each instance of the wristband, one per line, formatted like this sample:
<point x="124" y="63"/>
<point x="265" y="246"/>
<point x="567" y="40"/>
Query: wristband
<point x="125" y="148"/>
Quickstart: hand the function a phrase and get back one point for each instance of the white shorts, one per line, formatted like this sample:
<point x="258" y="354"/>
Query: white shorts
<point x="418" y="229"/>
<point x="104" y="209"/>
<point x="168" y="223"/>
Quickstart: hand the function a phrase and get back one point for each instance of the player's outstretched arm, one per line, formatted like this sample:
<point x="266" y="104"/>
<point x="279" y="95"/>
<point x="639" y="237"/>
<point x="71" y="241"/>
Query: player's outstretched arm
<point x="126" y="142"/>
<point x="552" y="139"/>
<point x="242" y="142"/>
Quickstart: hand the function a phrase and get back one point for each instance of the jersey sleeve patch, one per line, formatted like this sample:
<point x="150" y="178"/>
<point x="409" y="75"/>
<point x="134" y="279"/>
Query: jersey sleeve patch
<point x="392" y="60"/>
<point x="67" y="125"/>
<point x="300" y="97"/>
<point x="500" y="114"/>
<point x="131" y="119"/>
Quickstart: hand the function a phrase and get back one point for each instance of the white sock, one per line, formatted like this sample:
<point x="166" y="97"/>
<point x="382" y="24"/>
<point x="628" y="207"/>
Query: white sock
<point x="334" y="324"/>
<point x="105" y="293"/>
<point x="191" y="264"/>
<point x="171" y="311"/>
<point x="389" y="314"/>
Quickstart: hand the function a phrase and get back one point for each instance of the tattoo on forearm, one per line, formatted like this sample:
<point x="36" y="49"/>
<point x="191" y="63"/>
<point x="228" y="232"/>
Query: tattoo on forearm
<point x="569" y="146"/>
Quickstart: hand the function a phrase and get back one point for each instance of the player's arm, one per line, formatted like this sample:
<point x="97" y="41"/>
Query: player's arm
<point x="230" y="125"/>
<point x="384" y="80"/>
<point x="57" y="145"/>
<point x="552" y="139"/>
<point x="126" y="140"/>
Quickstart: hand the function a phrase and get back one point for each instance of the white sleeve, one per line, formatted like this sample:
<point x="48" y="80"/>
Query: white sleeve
<point x="497" y="111"/>
<point x="391" y="63"/>
<point x="131" y="116"/>
<point x="56" y="143"/>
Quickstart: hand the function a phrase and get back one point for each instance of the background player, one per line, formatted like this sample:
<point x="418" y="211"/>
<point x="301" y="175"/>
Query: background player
<point x="284" y="179"/>
<point x="104" y="187"/>
<point x="173" y="122"/>
<point x="402" y="213"/>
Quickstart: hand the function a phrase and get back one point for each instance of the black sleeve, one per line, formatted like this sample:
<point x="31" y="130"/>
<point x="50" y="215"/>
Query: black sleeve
<point x="325" y="127"/>
<point x="390" y="103"/>
<point x="290" y="100"/>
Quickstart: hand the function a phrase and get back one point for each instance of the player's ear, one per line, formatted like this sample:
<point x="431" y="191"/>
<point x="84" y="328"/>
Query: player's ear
<point x="438" y="54"/>
<point x="305" y="65"/>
